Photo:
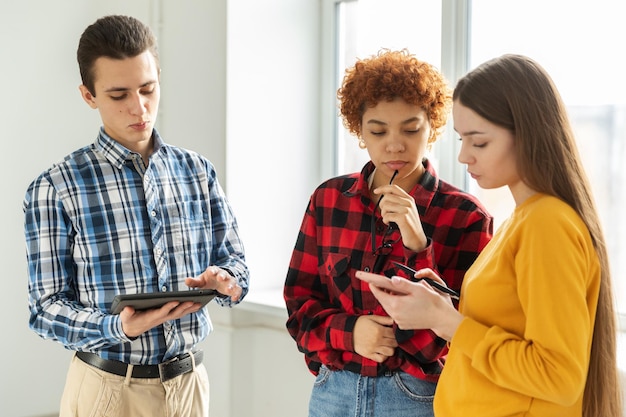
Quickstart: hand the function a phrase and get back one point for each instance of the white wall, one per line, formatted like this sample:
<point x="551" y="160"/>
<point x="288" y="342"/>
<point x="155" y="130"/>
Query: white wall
<point x="272" y="155"/>
<point x="272" y="125"/>
<point x="254" y="366"/>
<point x="262" y="95"/>
<point x="42" y="118"/>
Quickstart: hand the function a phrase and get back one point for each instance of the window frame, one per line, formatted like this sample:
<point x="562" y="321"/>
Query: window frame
<point x="454" y="63"/>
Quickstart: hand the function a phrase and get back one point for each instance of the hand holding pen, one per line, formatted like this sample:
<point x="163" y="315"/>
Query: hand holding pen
<point x="399" y="207"/>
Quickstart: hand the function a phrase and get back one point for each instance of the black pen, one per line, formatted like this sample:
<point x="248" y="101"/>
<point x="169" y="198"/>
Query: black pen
<point x="453" y="294"/>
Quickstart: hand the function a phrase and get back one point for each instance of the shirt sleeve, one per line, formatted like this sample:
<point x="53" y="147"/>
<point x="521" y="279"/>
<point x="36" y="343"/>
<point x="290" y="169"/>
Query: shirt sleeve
<point x="323" y="330"/>
<point x="557" y="281"/>
<point x="228" y="250"/>
<point x="306" y="299"/>
<point x="55" y="311"/>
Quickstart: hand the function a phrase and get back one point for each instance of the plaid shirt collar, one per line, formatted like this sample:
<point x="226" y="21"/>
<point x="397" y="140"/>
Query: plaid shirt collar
<point x="116" y="153"/>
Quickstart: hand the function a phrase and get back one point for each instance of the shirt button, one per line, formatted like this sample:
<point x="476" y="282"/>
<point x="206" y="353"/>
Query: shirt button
<point x="164" y="288"/>
<point x="153" y="213"/>
<point x="366" y="269"/>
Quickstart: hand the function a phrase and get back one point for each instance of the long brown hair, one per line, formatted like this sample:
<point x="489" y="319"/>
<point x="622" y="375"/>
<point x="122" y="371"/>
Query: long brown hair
<point x="516" y="93"/>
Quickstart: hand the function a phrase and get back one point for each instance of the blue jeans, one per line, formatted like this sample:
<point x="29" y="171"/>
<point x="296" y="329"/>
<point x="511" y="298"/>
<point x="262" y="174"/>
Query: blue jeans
<point x="346" y="394"/>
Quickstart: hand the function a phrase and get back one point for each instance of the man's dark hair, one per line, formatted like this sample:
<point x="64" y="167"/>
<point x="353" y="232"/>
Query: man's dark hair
<point x="116" y="37"/>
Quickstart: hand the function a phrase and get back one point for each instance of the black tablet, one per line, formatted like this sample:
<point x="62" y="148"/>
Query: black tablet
<point x="146" y="301"/>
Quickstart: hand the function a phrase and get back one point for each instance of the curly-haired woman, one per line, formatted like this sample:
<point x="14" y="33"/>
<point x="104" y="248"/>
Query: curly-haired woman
<point x="395" y="210"/>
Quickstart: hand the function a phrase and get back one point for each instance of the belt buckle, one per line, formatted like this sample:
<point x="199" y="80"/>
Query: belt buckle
<point x="166" y="375"/>
<point x="162" y="374"/>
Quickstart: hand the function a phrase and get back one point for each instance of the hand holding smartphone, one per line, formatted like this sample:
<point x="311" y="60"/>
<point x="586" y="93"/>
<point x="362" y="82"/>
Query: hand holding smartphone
<point x="436" y="285"/>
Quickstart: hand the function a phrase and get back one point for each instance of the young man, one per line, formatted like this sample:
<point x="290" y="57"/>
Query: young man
<point x="129" y="214"/>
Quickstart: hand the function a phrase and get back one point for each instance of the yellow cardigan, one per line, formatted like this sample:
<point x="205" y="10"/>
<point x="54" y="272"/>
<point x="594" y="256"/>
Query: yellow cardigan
<point x="529" y="303"/>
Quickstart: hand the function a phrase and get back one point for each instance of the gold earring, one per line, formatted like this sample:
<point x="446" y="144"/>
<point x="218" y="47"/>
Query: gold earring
<point x="362" y="144"/>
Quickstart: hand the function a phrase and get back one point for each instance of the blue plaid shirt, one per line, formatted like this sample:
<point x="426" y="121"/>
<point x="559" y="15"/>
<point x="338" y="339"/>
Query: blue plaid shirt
<point x="100" y="223"/>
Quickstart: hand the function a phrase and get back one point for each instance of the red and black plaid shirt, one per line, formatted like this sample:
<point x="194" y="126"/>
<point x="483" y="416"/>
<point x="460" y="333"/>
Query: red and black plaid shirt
<point x="323" y="296"/>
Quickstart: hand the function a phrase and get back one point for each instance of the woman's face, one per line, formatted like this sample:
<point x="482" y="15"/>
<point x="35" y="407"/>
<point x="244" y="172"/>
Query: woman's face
<point x="396" y="135"/>
<point x="487" y="149"/>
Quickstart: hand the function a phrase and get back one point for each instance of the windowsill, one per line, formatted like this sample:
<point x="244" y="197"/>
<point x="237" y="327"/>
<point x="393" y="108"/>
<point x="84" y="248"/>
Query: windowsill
<point x="270" y="301"/>
<point x="267" y="301"/>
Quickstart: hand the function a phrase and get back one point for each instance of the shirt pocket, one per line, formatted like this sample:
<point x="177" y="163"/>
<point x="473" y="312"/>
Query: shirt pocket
<point x="335" y="274"/>
<point x="345" y="290"/>
<point x="333" y="265"/>
<point x="190" y="233"/>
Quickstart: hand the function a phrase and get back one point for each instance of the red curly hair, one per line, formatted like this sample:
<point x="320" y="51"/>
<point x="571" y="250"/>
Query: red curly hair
<point x="390" y="75"/>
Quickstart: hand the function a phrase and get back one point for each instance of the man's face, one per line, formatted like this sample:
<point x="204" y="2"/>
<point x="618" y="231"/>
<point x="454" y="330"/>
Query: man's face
<point x="127" y="94"/>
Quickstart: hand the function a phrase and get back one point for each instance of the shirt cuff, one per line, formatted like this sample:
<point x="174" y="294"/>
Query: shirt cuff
<point x="112" y="328"/>
<point x="341" y="333"/>
<point x="422" y="259"/>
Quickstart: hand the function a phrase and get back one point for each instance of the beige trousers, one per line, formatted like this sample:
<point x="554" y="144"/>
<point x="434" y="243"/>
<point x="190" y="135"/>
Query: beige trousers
<point x="90" y="392"/>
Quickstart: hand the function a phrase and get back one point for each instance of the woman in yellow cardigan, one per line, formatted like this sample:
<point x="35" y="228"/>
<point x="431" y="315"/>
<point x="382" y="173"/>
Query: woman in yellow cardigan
<point x="535" y="332"/>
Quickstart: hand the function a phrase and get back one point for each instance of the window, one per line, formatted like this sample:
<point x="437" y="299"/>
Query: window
<point x="574" y="41"/>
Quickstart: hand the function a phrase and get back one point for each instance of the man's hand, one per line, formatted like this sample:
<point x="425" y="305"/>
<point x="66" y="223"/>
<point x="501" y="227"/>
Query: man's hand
<point x="215" y="278"/>
<point x="374" y="338"/>
<point x="135" y="322"/>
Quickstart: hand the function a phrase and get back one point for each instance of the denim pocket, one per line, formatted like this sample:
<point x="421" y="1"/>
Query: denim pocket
<point x="415" y="388"/>
<point x="322" y="376"/>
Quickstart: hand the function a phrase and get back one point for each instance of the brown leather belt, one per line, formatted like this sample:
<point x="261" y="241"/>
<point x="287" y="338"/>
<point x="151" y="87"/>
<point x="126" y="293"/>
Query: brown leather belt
<point x="167" y="370"/>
